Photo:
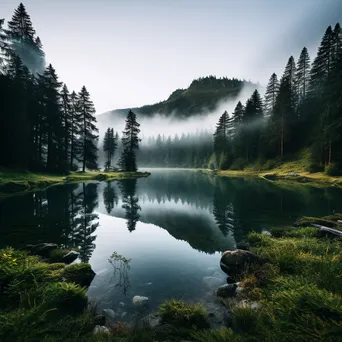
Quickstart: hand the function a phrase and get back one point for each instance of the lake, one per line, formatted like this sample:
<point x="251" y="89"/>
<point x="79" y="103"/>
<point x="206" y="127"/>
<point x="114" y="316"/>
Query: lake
<point x="173" y="226"/>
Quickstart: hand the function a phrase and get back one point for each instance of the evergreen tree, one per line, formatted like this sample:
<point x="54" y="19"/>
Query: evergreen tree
<point x="21" y="36"/>
<point x="3" y="48"/>
<point x="130" y="142"/>
<point x="53" y="118"/>
<point x="109" y="197"/>
<point x="88" y="129"/>
<point x="75" y="130"/>
<point x="66" y="116"/>
<point x="110" y="144"/>
<point x="271" y="95"/>
<point x="321" y="66"/>
<point x="303" y="75"/>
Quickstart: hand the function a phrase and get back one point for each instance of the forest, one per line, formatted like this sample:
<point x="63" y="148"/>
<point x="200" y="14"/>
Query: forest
<point x="300" y="114"/>
<point x="55" y="130"/>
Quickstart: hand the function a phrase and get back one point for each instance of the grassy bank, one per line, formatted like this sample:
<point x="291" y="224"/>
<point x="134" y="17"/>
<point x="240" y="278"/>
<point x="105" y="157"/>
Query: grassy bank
<point x="294" y="171"/>
<point x="295" y="295"/>
<point x="16" y="181"/>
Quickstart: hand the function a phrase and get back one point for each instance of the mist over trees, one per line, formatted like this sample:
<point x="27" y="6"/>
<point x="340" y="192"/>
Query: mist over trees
<point x="301" y="112"/>
<point x="44" y="127"/>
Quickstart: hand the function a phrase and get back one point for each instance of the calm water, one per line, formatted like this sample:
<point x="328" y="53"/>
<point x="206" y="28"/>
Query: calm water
<point x="173" y="225"/>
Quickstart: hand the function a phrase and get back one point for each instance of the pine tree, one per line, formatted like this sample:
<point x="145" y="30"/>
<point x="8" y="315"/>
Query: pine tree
<point x="303" y="75"/>
<point x="88" y="129"/>
<point x="271" y="95"/>
<point x="130" y="142"/>
<point x="321" y="66"/>
<point x="66" y="116"/>
<point x="110" y="144"/>
<point x="75" y="129"/>
<point x="53" y="119"/>
<point x="3" y="48"/>
<point x="21" y="36"/>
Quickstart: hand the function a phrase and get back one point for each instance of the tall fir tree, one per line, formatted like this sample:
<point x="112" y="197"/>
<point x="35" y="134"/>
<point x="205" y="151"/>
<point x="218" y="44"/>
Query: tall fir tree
<point x="272" y="90"/>
<point x="130" y="142"/>
<point x="75" y="129"/>
<point x="23" y="42"/>
<point x="66" y="117"/>
<point x="303" y="75"/>
<point x="88" y="130"/>
<point x="110" y="145"/>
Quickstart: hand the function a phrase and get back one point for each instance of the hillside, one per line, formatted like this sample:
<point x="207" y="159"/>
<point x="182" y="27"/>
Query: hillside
<point x="202" y="94"/>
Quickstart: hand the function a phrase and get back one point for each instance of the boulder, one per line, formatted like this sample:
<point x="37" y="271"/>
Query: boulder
<point x="139" y="301"/>
<point x="70" y="257"/>
<point x="109" y="314"/>
<point x="43" y="249"/>
<point x="234" y="261"/>
<point x="100" y="329"/>
<point x="228" y="290"/>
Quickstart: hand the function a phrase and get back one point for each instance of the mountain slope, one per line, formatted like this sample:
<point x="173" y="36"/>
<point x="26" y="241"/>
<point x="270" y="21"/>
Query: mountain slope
<point x="203" y="94"/>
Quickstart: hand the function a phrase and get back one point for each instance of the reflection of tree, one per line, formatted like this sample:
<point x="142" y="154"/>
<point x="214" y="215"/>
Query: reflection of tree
<point x="87" y="223"/>
<point x="223" y="212"/>
<point x="130" y="202"/>
<point x="109" y="197"/>
<point x="120" y="270"/>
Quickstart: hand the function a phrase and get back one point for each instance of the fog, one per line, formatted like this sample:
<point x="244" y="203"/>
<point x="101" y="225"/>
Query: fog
<point x="170" y="124"/>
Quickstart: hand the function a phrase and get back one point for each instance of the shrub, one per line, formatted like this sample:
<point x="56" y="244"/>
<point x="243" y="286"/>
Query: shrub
<point x="238" y="164"/>
<point x="181" y="314"/>
<point x="269" y="165"/>
<point x="333" y="170"/>
<point x="313" y="168"/>
<point x="221" y="335"/>
<point x="67" y="298"/>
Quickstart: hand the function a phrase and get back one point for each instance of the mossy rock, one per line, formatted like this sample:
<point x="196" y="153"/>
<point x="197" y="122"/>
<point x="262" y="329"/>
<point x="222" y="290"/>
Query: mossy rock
<point x="181" y="314"/>
<point x="65" y="298"/>
<point x="80" y="274"/>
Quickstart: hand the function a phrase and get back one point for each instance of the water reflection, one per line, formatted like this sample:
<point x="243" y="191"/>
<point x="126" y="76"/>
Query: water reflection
<point x="210" y="213"/>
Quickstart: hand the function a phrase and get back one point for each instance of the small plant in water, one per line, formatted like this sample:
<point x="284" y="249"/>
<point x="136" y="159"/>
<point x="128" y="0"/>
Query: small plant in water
<point x="121" y="267"/>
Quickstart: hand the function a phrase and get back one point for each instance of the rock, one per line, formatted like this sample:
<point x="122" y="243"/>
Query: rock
<point x="122" y="304"/>
<point x="212" y="282"/>
<point x="230" y="280"/>
<point x="139" y="301"/>
<point x="100" y="328"/>
<point x="43" y="249"/>
<point x="266" y="232"/>
<point x="110" y="314"/>
<point x="70" y="257"/>
<point x="123" y="314"/>
<point x="238" y="289"/>
<point x="100" y="320"/>
<point x="234" y="261"/>
<point x="227" y="290"/>
<point x="218" y="315"/>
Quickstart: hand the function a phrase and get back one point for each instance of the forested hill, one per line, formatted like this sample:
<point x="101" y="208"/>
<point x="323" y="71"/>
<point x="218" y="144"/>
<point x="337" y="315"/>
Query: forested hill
<point x="203" y="94"/>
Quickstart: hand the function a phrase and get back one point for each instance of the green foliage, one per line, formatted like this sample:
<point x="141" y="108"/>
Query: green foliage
<point x="67" y="298"/>
<point x="183" y="314"/>
<point x="294" y="232"/>
<point x="269" y="165"/>
<point x="221" y="335"/>
<point x="333" y="170"/>
<point x="57" y="254"/>
<point x="244" y="320"/>
<point x="313" y="168"/>
<point x="238" y="164"/>
<point x="308" y="221"/>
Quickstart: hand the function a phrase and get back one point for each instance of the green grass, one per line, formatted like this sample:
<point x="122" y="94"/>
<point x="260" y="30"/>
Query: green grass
<point x="12" y="181"/>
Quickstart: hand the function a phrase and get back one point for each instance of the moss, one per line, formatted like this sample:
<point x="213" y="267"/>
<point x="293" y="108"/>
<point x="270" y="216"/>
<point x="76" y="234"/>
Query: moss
<point x="65" y="298"/>
<point x="57" y="254"/>
<point x="182" y="314"/>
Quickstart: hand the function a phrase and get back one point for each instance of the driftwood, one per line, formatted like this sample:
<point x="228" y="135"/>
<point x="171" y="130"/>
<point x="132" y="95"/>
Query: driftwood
<point x="328" y="231"/>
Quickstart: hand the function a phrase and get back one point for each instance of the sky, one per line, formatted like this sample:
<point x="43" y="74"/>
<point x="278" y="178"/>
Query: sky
<point x="129" y="53"/>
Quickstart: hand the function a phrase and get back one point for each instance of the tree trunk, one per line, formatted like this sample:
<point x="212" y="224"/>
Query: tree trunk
<point x="282" y="138"/>
<point x="330" y="150"/>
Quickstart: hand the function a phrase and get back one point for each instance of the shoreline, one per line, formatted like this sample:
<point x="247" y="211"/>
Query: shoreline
<point x="14" y="182"/>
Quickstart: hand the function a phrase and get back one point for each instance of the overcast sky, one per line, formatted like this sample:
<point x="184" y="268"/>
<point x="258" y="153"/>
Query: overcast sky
<point x="134" y="52"/>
